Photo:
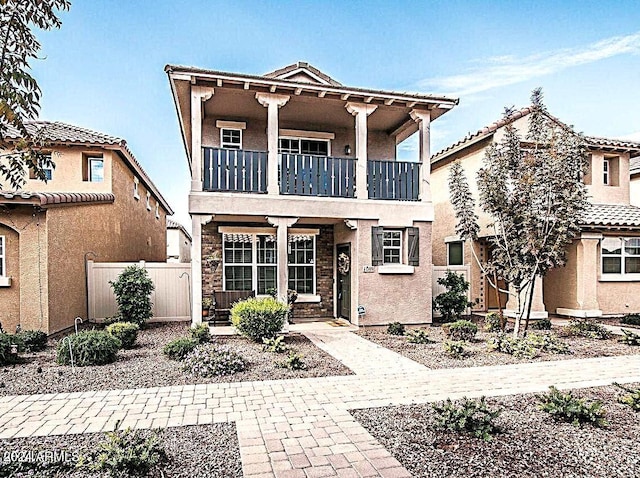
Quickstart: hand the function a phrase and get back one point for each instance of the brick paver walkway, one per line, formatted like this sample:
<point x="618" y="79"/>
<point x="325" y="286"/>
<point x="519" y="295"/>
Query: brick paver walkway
<point x="301" y="428"/>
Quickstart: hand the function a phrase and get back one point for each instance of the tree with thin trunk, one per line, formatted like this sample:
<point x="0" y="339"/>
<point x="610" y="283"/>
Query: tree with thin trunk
<point x="532" y="189"/>
<point x="19" y="91"/>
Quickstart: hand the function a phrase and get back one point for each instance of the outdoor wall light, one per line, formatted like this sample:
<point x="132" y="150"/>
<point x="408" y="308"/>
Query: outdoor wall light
<point x="347" y="150"/>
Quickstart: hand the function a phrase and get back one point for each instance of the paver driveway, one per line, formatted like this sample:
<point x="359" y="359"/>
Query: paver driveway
<point x="302" y="427"/>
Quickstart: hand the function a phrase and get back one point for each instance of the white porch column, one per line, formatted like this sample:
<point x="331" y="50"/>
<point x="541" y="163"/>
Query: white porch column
<point x="199" y="94"/>
<point x="537" y="304"/>
<point x="196" y="267"/>
<point x="423" y="118"/>
<point x="272" y="102"/>
<point x="361" y="111"/>
<point x="282" y="224"/>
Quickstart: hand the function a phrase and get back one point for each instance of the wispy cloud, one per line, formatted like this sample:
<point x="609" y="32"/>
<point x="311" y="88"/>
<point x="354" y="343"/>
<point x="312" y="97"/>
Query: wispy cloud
<point x="508" y="70"/>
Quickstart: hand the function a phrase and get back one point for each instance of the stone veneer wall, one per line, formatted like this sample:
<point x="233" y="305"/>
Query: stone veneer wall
<point x="212" y="280"/>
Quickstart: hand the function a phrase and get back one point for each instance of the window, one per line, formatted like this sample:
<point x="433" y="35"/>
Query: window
<point x="249" y="256"/>
<point x="157" y="210"/>
<point x="231" y="138"/>
<point x="454" y="253"/>
<point x="48" y="172"/>
<point x="388" y="246"/>
<point x="302" y="263"/>
<point x="136" y="193"/>
<point x="314" y="147"/>
<point x="606" y="171"/>
<point x="392" y="247"/>
<point x="95" y="169"/>
<point x="620" y="255"/>
<point x="148" y="201"/>
<point x="3" y="271"/>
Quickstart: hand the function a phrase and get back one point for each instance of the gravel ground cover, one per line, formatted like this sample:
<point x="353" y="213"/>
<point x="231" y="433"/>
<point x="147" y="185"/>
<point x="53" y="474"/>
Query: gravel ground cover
<point x="146" y="366"/>
<point x="531" y="443"/>
<point x="433" y="356"/>
<point x="210" y="451"/>
<point x="616" y="322"/>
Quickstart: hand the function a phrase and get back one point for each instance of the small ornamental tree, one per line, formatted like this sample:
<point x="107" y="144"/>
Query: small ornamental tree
<point x="133" y="293"/>
<point x="532" y="189"/>
<point x="452" y="303"/>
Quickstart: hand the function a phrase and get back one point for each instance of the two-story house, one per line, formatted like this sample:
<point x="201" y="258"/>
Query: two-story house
<point x="296" y="185"/>
<point x="178" y="242"/>
<point x="602" y="274"/>
<point x="98" y="204"/>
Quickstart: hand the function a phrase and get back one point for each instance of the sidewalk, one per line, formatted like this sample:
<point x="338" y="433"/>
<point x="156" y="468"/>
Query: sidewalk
<point x="301" y="428"/>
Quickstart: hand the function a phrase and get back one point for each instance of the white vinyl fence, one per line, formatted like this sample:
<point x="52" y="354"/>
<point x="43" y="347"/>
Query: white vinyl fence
<point x="171" y="297"/>
<point x="441" y="271"/>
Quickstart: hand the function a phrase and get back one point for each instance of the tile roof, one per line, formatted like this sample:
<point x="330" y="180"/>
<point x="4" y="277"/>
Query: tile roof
<point x="48" y="199"/>
<point x="301" y="65"/>
<point x="592" y="141"/>
<point x="612" y="216"/>
<point x="57" y="132"/>
<point x="171" y="224"/>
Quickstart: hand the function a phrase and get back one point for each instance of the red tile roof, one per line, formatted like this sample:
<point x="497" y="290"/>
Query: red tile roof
<point x="613" y="216"/>
<point x="48" y="199"/>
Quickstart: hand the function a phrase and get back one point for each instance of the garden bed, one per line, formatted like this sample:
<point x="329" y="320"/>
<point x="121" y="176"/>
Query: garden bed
<point x="433" y="356"/>
<point x="205" y="450"/>
<point x="531" y="443"/>
<point x="146" y="366"/>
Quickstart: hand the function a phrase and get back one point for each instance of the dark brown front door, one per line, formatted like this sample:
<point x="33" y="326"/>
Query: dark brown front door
<point x="343" y="274"/>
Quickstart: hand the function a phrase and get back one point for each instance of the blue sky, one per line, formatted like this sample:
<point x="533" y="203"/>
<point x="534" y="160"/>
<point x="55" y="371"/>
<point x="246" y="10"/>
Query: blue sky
<point x="104" y="68"/>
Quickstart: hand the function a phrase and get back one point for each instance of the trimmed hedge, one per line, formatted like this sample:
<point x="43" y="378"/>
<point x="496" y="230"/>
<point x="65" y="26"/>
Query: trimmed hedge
<point x="125" y="332"/>
<point x="259" y="319"/>
<point x="90" y="347"/>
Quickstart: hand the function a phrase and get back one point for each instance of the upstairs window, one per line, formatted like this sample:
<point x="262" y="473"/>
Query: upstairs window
<point x="136" y="193"/>
<point x="611" y="171"/>
<point x="605" y="172"/>
<point x="48" y="172"/>
<point x="148" y="201"/>
<point x="314" y="147"/>
<point x="231" y="138"/>
<point x="93" y="168"/>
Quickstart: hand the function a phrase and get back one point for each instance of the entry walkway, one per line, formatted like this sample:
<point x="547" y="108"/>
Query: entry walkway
<point x="302" y="428"/>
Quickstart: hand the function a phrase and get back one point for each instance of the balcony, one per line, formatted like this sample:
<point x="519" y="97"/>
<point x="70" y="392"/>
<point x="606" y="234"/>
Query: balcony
<point x="229" y="170"/>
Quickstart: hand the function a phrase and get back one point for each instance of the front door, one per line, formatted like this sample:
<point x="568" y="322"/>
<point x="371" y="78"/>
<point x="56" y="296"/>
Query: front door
<point x="343" y="274"/>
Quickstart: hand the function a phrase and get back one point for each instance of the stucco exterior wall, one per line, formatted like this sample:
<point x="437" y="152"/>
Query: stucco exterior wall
<point x="560" y="284"/>
<point x="10" y="296"/>
<point x="618" y="297"/>
<point x="404" y="298"/>
<point x="178" y="246"/>
<point x="634" y="190"/>
<point x="618" y="191"/>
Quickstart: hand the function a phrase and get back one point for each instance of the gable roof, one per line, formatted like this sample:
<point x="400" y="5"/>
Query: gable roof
<point x="612" y="216"/>
<point x="302" y="68"/>
<point x="51" y="199"/>
<point x="593" y="142"/>
<point x="59" y="133"/>
<point x="171" y="224"/>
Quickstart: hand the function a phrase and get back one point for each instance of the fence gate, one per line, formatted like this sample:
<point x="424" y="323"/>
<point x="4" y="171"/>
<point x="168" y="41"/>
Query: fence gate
<point x="171" y="296"/>
<point x="441" y="271"/>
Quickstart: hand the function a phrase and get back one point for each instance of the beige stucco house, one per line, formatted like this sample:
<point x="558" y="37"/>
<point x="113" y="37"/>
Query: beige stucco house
<point x="98" y="204"/>
<point x="296" y="184"/>
<point x="602" y="275"/>
<point x="178" y="242"/>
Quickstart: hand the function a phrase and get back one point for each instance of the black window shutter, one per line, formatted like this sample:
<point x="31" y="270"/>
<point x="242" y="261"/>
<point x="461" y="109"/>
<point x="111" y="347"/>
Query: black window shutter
<point x="376" y="246"/>
<point x="414" y="246"/>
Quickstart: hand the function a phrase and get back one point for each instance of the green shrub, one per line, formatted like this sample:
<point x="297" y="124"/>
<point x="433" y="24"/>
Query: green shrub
<point x="127" y="453"/>
<point x="178" y="349"/>
<point x="418" y="336"/>
<point x="32" y="340"/>
<point x="454" y="349"/>
<point x="6" y="357"/>
<point x="632" y="399"/>
<point x="567" y="408"/>
<point x="90" y="347"/>
<point x="125" y="332"/>
<point x="518" y="347"/>
<point x="200" y="334"/>
<point x="492" y="322"/>
<point x="452" y="303"/>
<point x="275" y="345"/>
<point x="630" y="338"/>
<point x="395" y="328"/>
<point x="631" y="319"/>
<point x="540" y="324"/>
<point x="548" y="343"/>
<point x="293" y="361"/>
<point x="211" y="361"/>
<point x="467" y="416"/>
<point x="259" y="318"/>
<point x="588" y="328"/>
<point x="133" y="289"/>
<point x="461" y="330"/>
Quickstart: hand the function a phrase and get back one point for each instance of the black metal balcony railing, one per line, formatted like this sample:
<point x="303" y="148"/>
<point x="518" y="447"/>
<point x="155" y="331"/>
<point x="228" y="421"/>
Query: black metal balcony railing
<point x="307" y="175"/>
<point x="235" y="170"/>
<point x="393" y="180"/>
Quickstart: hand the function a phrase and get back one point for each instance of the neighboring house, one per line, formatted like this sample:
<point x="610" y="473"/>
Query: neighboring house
<point x="98" y="204"/>
<point x="295" y="184"/>
<point x="602" y="274"/>
<point x="178" y="242"/>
